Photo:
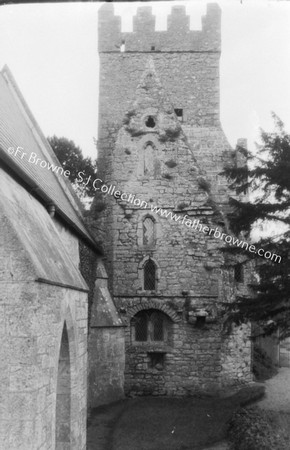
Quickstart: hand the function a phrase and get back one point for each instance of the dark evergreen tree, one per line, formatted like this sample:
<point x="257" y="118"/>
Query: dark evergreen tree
<point x="82" y="170"/>
<point x="265" y="180"/>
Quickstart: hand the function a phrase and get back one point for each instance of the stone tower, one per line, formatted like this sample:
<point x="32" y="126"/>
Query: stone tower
<point x="161" y="146"/>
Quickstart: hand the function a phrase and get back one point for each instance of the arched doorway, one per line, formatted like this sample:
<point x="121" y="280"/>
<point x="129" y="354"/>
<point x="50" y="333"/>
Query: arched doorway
<point x="63" y="395"/>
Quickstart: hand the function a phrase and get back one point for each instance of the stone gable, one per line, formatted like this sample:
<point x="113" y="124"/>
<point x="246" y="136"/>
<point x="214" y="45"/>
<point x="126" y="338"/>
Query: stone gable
<point x="162" y="146"/>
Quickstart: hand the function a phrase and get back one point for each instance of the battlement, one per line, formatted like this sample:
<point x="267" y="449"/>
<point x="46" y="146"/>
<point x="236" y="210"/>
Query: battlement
<point x="177" y="38"/>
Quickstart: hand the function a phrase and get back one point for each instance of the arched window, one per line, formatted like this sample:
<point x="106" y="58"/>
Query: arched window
<point x="149" y="275"/>
<point x="149" y="163"/>
<point x="63" y="394"/>
<point x="148" y="231"/>
<point x="150" y="325"/>
<point x="149" y="157"/>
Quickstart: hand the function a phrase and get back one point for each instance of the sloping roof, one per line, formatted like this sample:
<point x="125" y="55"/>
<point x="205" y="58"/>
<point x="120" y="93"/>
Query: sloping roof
<point x="103" y="313"/>
<point x="29" y="232"/>
<point x="18" y="128"/>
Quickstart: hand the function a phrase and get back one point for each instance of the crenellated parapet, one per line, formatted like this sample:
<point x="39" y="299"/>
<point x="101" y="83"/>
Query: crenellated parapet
<point x="144" y="21"/>
<point x="144" y="38"/>
<point x="109" y="28"/>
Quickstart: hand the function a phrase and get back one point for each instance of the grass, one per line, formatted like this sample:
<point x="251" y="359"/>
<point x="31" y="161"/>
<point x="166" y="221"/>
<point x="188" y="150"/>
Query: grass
<point x="170" y="424"/>
<point x="176" y="424"/>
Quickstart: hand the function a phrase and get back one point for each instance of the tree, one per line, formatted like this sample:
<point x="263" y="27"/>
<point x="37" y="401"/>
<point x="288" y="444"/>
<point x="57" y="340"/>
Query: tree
<point x="82" y="170"/>
<point x="266" y="180"/>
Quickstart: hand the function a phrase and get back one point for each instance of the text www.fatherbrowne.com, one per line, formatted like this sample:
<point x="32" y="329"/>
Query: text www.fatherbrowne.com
<point x="130" y="198"/>
<point x="184" y="220"/>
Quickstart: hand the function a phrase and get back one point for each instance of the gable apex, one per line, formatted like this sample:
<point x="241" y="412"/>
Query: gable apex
<point x="151" y="110"/>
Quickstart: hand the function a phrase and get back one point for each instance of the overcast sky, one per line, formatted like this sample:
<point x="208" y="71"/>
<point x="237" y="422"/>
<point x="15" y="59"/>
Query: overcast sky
<point x="51" y="50"/>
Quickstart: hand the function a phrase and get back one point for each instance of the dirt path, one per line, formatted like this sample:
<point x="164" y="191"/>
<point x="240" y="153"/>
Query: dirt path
<point x="277" y="392"/>
<point x="101" y="425"/>
<point x="102" y="422"/>
<point x="118" y="417"/>
<point x="219" y="446"/>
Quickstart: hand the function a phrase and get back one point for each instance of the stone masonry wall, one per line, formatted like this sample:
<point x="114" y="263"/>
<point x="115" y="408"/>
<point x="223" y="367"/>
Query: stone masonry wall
<point x="174" y="165"/>
<point x="195" y="358"/>
<point x="106" y="345"/>
<point x="188" y="78"/>
<point x="186" y="61"/>
<point x="183" y="254"/>
<point x="189" y="57"/>
<point x="191" y="354"/>
<point x="106" y="362"/>
<point x="236" y="358"/>
<point x="32" y="318"/>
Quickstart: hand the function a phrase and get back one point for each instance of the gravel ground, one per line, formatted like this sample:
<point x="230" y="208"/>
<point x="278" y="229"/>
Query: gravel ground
<point x="101" y="425"/>
<point x="277" y="398"/>
<point x="277" y="392"/>
<point x="220" y="446"/>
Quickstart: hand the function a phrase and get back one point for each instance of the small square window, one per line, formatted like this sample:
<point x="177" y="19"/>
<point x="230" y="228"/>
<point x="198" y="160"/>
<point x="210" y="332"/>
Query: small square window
<point x="156" y="360"/>
<point x="200" y="322"/>
<point x="179" y="113"/>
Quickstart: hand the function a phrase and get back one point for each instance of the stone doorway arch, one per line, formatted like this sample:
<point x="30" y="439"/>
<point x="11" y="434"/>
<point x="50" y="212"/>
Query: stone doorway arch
<point x="63" y="395"/>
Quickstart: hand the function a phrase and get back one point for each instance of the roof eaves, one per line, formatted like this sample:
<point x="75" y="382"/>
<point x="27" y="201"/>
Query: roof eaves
<point x="39" y="136"/>
<point x="40" y="193"/>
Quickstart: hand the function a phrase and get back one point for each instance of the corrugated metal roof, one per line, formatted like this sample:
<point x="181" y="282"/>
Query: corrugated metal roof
<point x="18" y="128"/>
<point x="32" y="232"/>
